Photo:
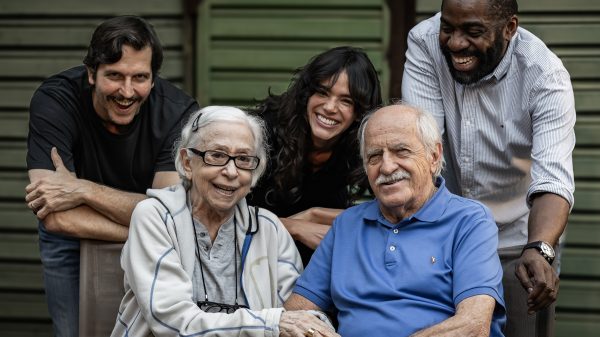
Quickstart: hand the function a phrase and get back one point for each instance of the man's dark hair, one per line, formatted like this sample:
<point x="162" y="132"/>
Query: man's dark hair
<point x="500" y="9"/>
<point x="106" y="45"/>
<point x="503" y="9"/>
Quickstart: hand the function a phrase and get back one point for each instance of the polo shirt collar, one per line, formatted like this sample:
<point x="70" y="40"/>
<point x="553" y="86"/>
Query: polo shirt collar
<point x="431" y="211"/>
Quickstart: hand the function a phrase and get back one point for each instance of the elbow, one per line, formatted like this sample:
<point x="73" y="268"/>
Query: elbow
<point x="54" y="223"/>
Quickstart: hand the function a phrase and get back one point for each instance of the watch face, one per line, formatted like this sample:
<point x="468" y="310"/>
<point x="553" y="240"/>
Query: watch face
<point x="547" y="250"/>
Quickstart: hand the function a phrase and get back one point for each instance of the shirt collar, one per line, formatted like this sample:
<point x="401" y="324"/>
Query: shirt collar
<point x="431" y="211"/>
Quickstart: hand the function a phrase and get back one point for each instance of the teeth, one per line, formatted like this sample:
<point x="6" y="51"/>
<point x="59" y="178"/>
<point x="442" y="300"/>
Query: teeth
<point x="225" y="189"/>
<point x="124" y="101"/>
<point x="326" y="120"/>
<point x="463" y="60"/>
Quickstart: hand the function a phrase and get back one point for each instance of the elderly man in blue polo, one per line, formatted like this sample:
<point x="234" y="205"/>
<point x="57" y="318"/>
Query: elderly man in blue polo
<point x="415" y="261"/>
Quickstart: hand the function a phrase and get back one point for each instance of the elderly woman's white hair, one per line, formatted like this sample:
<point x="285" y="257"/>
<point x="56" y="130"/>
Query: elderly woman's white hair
<point x="428" y="132"/>
<point x="192" y="135"/>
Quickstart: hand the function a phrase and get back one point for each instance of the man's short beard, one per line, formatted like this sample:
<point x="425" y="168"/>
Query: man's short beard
<point x="488" y="61"/>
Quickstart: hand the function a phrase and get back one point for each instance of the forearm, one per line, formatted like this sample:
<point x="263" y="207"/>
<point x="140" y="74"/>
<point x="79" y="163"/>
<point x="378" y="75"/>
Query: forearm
<point x="299" y="302"/>
<point x="85" y="223"/>
<point x="472" y="319"/>
<point x="114" y="204"/>
<point x="324" y="216"/>
<point x="547" y="218"/>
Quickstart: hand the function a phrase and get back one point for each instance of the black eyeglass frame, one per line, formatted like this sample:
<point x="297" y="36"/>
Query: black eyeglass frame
<point x="206" y="306"/>
<point x="201" y="154"/>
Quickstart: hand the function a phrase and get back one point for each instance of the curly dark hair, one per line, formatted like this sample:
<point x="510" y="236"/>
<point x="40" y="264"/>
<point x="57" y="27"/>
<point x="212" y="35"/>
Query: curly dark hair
<point x="106" y="45"/>
<point x="291" y="130"/>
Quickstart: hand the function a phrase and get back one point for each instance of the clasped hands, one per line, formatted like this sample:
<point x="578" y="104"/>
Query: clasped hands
<point x="538" y="278"/>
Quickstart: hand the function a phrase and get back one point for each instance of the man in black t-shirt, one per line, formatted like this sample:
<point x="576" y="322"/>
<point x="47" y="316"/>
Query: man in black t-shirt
<point x="99" y="136"/>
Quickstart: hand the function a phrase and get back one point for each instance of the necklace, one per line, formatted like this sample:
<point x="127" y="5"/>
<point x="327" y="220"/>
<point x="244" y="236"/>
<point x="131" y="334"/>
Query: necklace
<point x="235" y="251"/>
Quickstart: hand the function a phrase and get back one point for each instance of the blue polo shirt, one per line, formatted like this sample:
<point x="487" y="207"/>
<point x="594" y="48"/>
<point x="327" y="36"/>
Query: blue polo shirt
<point x="388" y="279"/>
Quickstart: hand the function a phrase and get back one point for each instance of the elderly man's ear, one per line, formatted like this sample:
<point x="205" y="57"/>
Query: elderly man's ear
<point x="436" y="157"/>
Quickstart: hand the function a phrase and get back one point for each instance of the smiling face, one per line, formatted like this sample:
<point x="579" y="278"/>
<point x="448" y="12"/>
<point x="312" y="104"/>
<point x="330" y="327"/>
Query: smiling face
<point x="330" y="111"/>
<point x="121" y="88"/>
<point x="473" y="41"/>
<point x="216" y="190"/>
<point x="399" y="168"/>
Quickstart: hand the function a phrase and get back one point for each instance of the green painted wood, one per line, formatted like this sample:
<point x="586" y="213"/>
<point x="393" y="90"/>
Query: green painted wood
<point x="287" y="58"/>
<point x="21" y="276"/>
<point x="15" y="94"/>
<point x="14" y="124"/>
<point x="579" y="324"/>
<point x="319" y="28"/>
<point x="12" y="184"/>
<point x="559" y="6"/>
<point x="77" y="7"/>
<point x="583" y="229"/>
<point x="586" y="162"/>
<point x="16" y="216"/>
<point x="587" y="195"/>
<point x="580" y="262"/>
<point x="246" y="90"/>
<point x="586" y="97"/>
<point x="582" y="68"/>
<point x="30" y="329"/>
<point x="12" y="154"/>
<point x="73" y="33"/>
<point x="566" y="34"/>
<point x="298" y="3"/>
<point x="579" y="294"/>
<point x="19" y="247"/>
<point x="23" y="306"/>
<point x="42" y="64"/>
<point x="587" y="130"/>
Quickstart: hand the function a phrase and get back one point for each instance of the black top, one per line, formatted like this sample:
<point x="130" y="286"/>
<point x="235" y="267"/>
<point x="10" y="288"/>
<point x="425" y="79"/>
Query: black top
<point x="327" y="187"/>
<point x="62" y="115"/>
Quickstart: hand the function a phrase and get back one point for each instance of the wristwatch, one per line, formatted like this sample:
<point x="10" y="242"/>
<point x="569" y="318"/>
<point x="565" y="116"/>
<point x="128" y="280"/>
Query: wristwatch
<point x="544" y="248"/>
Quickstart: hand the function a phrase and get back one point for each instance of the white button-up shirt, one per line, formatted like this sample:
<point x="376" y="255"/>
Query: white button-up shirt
<point x="506" y="137"/>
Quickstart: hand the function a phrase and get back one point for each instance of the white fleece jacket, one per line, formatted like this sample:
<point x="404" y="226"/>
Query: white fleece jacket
<point x="158" y="259"/>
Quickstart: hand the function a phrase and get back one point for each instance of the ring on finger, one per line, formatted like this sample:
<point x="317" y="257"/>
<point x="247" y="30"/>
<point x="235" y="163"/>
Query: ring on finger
<point x="310" y="332"/>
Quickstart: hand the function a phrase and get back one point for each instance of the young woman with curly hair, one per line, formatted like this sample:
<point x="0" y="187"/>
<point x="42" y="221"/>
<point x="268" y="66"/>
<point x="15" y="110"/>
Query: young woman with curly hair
<point x="315" y="170"/>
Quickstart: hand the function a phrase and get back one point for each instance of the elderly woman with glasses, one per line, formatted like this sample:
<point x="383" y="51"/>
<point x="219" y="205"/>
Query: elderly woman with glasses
<point x="199" y="261"/>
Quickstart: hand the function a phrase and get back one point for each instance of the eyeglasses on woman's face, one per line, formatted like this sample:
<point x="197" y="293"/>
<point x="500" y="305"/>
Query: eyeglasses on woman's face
<point x="218" y="158"/>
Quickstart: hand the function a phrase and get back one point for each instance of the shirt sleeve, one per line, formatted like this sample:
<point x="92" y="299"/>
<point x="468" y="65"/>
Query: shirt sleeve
<point x="553" y="122"/>
<point x="50" y="125"/>
<point x="420" y="84"/>
<point x="166" y="159"/>
<point x="315" y="283"/>
<point x="477" y="269"/>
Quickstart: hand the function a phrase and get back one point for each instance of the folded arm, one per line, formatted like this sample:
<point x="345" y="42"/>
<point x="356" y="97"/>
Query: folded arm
<point x="81" y="208"/>
<point x="473" y="318"/>
<point x="311" y="225"/>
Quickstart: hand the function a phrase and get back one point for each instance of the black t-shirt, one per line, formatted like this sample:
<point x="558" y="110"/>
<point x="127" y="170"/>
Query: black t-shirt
<point x="327" y="187"/>
<point x="62" y="115"/>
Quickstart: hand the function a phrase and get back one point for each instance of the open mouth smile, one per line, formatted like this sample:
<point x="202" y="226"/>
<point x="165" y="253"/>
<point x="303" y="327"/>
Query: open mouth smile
<point x="226" y="190"/>
<point x="327" y="121"/>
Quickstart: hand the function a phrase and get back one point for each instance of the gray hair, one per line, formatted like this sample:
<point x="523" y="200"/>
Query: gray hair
<point x="427" y="132"/>
<point x="192" y="136"/>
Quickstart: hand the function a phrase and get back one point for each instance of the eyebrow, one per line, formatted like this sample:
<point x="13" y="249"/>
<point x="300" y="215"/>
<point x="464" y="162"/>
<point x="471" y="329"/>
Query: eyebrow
<point x="465" y="25"/>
